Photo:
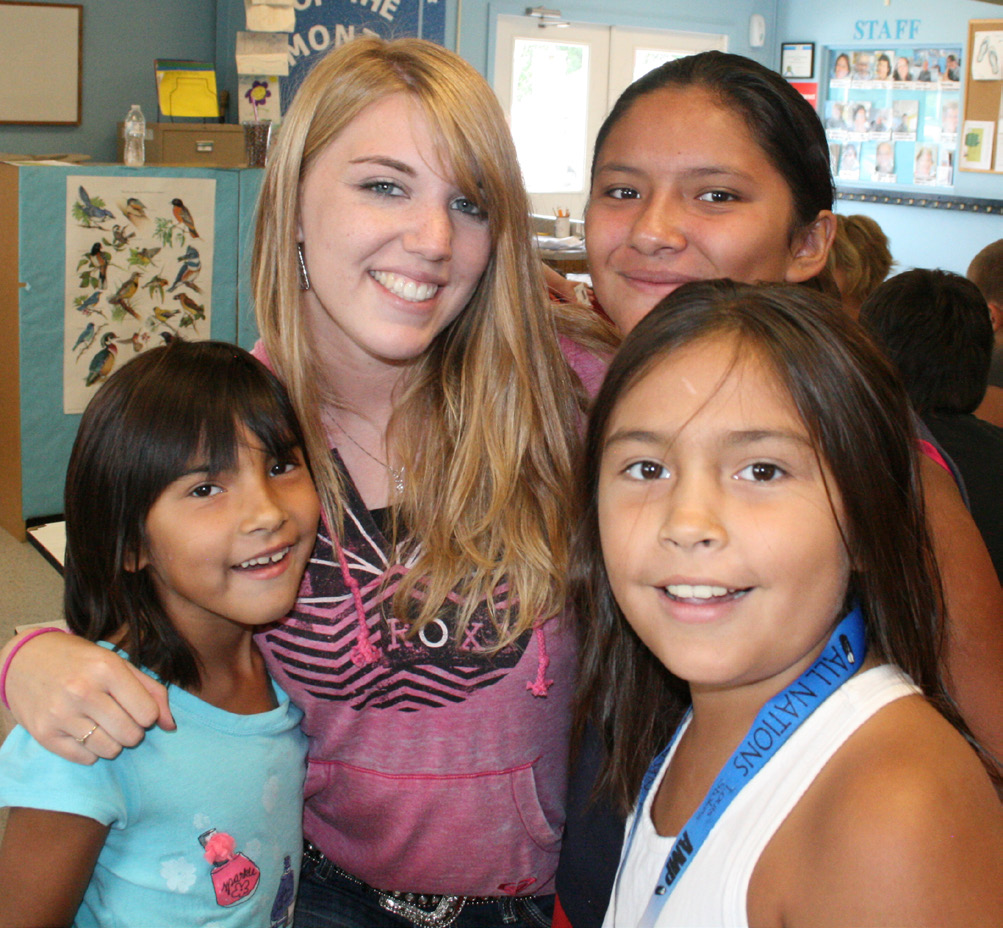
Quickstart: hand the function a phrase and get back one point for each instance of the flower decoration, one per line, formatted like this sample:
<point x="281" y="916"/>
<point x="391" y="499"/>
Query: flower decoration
<point x="178" y="874"/>
<point x="257" y="93"/>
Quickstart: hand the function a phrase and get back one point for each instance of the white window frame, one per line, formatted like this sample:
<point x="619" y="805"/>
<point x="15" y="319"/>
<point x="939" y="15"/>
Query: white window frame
<point x="611" y="63"/>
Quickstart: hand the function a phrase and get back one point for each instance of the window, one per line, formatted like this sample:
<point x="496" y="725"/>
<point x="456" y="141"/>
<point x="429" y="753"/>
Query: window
<point x="556" y="86"/>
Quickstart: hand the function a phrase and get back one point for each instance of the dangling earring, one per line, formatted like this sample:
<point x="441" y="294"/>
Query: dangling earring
<point x="304" y="276"/>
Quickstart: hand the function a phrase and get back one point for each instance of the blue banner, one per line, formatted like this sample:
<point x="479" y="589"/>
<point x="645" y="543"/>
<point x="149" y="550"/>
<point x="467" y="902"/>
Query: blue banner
<point x="324" y="24"/>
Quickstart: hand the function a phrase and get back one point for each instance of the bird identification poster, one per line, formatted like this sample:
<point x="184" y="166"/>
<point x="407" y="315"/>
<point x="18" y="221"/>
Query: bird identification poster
<point x="139" y="255"/>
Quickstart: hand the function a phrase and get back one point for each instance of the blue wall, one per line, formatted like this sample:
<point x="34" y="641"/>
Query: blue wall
<point x="121" y="40"/>
<point x="731" y="17"/>
<point x="476" y="17"/>
<point x="919" y="237"/>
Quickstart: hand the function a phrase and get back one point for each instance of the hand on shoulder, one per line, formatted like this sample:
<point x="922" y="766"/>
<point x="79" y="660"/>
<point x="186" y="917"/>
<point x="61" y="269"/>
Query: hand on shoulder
<point x="82" y="701"/>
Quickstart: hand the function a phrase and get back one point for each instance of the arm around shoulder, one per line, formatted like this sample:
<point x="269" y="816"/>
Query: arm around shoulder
<point x="974" y="641"/>
<point x="79" y="700"/>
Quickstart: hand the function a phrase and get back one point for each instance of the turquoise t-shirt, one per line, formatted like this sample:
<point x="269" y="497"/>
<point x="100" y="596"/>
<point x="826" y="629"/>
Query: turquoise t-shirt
<point x="232" y="784"/>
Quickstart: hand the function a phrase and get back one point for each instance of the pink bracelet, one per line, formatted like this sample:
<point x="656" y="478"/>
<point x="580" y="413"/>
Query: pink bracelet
<point x="34" y="633"/>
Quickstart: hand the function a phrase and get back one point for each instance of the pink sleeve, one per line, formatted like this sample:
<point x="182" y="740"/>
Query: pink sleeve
<point x="590" y="367"/>
<point x="259" y="352"/>
<point x="926" y="448"/>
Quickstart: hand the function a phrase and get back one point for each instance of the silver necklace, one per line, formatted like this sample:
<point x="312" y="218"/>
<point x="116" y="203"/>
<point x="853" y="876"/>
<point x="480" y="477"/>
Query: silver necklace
<point x="396" y="473"/>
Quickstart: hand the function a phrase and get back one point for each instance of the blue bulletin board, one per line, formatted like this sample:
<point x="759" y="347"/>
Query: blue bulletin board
<point x="892" y="114"/>
<point x="325" y="24"/>
<point x="46" y="433"/>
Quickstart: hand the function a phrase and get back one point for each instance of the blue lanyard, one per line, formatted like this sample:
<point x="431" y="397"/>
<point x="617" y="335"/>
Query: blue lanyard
<point x="776" y="722"/>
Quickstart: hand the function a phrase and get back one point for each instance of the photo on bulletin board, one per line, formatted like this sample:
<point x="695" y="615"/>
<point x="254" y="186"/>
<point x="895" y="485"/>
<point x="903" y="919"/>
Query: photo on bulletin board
<point x="849" y="161"/>
<point x="977" y="144"/>
<point x="797" y="59"/>
<point x="987" y="55"/>
<point x="901" y="106"/>
<point x="981" y="135"/>
<point x="884" y="163"/>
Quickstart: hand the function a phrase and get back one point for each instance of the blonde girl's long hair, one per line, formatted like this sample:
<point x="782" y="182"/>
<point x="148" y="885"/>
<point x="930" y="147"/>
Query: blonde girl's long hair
<point x="486" y="423"/>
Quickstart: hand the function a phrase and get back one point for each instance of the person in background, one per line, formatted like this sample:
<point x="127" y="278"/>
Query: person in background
<point x="859" y="259"/>
<point x="935" y="328"/>
<point x="986" y="272"/>
<point x="903" y="71"/>
<point x="883" y="68"/>
<point x="691" y="170"/>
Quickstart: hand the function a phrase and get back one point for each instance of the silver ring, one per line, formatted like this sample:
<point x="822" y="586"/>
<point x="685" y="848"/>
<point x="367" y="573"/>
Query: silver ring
<point x="85" y="737"/>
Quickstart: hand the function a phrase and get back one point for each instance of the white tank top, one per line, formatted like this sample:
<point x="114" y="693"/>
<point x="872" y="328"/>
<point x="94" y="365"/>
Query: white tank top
<point x="712" y="891"/>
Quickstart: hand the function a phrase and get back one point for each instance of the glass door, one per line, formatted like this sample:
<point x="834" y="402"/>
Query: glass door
<point x="557" y="84"/>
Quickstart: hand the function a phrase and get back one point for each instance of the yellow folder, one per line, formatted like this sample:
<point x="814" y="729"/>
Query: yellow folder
<point x="187" y="88"/>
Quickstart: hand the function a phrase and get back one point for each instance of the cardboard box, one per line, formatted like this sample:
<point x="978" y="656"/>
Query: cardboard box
<point x="192" y="144"/>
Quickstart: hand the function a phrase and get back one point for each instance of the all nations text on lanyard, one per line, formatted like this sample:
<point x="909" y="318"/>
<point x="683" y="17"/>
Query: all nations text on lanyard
<point x="776" y="722"/>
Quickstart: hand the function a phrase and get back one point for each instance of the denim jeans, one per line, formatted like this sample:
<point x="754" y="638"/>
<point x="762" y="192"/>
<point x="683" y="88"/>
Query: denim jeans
<point x="329" y="899"/>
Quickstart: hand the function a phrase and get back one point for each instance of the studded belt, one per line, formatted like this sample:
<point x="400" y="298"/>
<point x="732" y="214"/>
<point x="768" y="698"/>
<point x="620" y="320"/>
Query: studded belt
<point x="426" y="910"/>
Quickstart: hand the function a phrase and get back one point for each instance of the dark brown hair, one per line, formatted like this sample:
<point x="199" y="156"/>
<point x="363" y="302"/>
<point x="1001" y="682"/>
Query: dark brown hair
<point x="936" y="328"/>
<point x="986" y="271"/>
<point x="140" y="432"/>
<point x="783" y="123"/>
<point x="857" y="416"/>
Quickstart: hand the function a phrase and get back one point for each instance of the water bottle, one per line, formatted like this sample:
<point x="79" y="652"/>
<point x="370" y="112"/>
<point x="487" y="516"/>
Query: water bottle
<point x="135" y="137"/>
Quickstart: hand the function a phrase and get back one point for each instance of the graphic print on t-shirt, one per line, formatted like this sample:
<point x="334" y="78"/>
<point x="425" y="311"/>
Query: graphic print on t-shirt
<point x="319" y="645"/>
<point x="234" y="876"/>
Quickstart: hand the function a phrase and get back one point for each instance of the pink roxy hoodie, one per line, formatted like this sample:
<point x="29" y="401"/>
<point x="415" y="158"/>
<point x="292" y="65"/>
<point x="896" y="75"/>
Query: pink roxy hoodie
<point x="432" y="767"/>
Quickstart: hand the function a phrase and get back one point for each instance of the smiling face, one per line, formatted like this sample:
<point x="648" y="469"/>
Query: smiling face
<point x="230" y="548"/>
<point x="718" y="535"/>
<point x="393" y="248"/>
<point x="682" y="191"/>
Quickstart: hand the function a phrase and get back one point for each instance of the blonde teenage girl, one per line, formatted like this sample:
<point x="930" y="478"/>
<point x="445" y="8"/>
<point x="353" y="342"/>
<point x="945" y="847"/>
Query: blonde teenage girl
<point x="400" y="301"/>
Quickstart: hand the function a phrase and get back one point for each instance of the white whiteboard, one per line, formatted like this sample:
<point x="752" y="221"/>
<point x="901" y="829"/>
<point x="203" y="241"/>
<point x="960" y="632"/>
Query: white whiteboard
<point x="41" y="50"/>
